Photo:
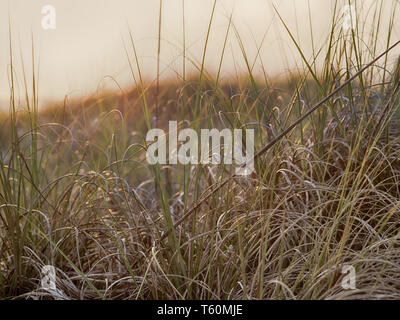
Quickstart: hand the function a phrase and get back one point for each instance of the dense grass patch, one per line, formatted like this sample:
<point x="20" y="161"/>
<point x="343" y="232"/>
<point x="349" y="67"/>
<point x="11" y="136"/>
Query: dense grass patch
<point x="77" y="193"/>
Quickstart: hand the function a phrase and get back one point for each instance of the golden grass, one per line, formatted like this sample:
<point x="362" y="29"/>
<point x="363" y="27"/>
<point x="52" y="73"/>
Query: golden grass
<point x="76" y="192"/>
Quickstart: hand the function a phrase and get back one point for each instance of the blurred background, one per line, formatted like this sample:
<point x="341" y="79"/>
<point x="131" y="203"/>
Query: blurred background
<point x="87" y="47"/>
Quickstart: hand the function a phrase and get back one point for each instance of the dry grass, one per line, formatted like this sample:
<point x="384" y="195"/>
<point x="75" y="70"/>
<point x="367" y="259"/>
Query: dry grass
<point x="77" y="193"/>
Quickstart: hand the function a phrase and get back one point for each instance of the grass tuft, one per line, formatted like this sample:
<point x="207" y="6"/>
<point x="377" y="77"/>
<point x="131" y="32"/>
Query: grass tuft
<point x="77" y="193"/>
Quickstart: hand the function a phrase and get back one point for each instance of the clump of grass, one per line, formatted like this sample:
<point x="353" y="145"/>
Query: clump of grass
<point x="76" y="192"/>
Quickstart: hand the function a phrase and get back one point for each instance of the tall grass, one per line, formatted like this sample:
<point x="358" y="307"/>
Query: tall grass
<point x="76" y="192"/>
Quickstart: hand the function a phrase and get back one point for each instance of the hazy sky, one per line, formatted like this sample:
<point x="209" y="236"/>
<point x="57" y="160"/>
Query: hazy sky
<point x="88" y="43"/>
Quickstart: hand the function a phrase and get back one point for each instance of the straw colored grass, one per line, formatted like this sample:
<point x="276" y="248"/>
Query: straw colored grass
<point x="76" y="192"/>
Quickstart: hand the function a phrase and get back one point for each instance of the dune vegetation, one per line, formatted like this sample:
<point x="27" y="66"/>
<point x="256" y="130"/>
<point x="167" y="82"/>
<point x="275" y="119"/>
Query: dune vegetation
<point x="76" y="192"/>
